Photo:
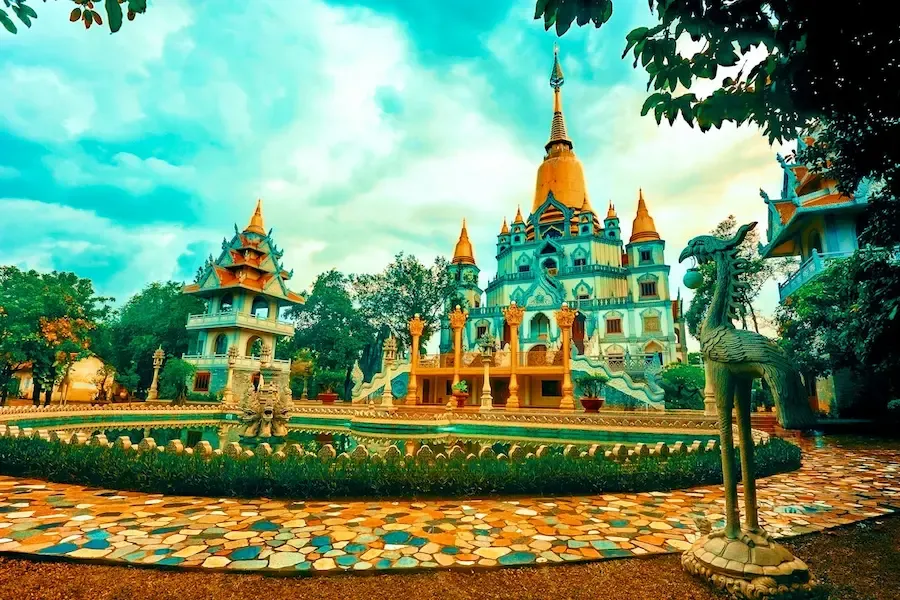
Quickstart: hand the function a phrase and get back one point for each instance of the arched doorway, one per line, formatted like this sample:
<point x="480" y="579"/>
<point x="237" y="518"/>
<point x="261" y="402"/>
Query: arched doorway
<point x="653" y="350"/>
<point x="578" y="328"/>
<point x="226" y="304"/>
<point x="815" y="242"/>
<point x="537" y="356"/>
<point x="540" y="327"/>
<point x="221" y="345"/>
<point x="254" y="347"/>
<point x="260" y="308"/>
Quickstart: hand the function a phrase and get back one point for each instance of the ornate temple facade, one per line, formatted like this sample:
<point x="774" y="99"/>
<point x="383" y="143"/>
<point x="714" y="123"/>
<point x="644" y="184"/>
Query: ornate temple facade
<point x="245" y="291"/>
<point x="565" y="252"/>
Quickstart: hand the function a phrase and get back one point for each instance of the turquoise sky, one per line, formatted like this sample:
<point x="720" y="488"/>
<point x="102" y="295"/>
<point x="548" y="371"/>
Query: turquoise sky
<point x="366" y="128"/>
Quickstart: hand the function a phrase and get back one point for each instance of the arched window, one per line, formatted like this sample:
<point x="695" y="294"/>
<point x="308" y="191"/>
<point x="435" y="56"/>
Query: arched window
<point x="540" y="327"/>
<point x="226" y="304"/>
<point x="221" y="346"/>
<point x="254" y="347"/>
<point x="260" y="308"/>
<point x="549" y="266"/>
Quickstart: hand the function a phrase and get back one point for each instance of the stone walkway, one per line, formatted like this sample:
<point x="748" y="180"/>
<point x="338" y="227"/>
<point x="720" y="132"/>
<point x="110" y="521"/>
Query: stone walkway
<point x="835" y="486"/>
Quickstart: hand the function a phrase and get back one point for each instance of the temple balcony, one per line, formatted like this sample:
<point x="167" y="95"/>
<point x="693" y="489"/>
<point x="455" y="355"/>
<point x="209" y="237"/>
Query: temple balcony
<point x="809" y="269"/>
<point x="238" y="319"/>
<point x="244" y="363"/>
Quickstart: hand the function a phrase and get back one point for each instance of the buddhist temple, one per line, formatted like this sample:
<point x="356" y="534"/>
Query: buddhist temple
<point x="245" y="290"/>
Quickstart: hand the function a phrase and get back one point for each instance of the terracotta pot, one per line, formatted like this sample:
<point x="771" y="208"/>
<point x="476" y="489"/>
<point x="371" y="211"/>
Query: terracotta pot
<point x="327" y="397"/>
<point x="461" y="398"/>
<point x="591" y="405"/>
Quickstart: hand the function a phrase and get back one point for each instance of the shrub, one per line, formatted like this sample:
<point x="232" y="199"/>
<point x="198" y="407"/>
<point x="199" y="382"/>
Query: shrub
<point x="591" y="384"/>
<point x="309" y="478"/>
<point x="683" y="386"/>
<point x="329" y="381"/>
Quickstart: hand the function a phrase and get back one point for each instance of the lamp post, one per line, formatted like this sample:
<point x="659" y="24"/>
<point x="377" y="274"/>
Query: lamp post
<point x="158" y="356"/>
<point x="228" y="392"/>
<point x="513" y="315"/>
<point x="416" y="327"/>
<point x="487" y="353"/>
<point x="565" y="318"/>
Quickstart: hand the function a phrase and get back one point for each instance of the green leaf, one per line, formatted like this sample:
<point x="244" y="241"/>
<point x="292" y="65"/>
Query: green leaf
<point x="600" y="13"/>
<point x="29" y="11"/>
<point x="23" y="16"/>
<point x="114" y="15"/>
<point x="7" y="22"/>
<point x="652" y="100"/>
<point x="539" y="7"/>
<point x="684" y="74"/>
<point x="138" y="6"/>
<point x="635" y="35"/>
<point x="565" y="16"/>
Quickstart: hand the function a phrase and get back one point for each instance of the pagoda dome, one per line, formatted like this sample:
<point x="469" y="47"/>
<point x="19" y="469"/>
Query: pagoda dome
<point x="643" y="229"/>
<point x="463" y="254"/>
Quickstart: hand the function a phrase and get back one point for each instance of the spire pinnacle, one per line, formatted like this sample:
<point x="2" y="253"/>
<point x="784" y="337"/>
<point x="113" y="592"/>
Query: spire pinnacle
<point x="518" y="218"/>
<point x="558" y="131"/>
<point x="463" y="253"/>
<point x="504" y="229"/>
<point x="256" y="221"/>
<point x="643" y="228"/>
<point x="611" y="212"/>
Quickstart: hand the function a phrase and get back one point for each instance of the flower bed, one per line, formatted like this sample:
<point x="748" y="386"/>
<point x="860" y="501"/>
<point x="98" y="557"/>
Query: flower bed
<point x="300" y="475"/>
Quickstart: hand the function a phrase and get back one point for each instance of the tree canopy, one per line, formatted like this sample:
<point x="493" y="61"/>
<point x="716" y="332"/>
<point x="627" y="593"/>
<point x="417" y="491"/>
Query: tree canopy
<point x="84" y="12"/>
<point x="792" y="66"/>
<point x="404" y="289"/>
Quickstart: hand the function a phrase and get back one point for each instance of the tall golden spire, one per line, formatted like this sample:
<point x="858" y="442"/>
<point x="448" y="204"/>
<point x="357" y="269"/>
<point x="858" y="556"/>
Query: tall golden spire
<point x="256" y="221"/>
<point x="504" y="229"/>
<point x="643" y="228"/>
<point x="463" y="253"/>
<point x="611" y="213"/>
<point x="558" y="133"/>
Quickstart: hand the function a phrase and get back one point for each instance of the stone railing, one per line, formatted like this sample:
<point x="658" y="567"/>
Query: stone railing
<point x="618" y="453"/>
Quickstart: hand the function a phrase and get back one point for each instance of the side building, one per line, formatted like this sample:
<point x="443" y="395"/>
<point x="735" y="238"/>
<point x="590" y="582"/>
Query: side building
<point x="815" y="222"/>
<point x="245" y="291"/>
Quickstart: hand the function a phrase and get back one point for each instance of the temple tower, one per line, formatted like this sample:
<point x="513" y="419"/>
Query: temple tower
<point x="245" y="292"/>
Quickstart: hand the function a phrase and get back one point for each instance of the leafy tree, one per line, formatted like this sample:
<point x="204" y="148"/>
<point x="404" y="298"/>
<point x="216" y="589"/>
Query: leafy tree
<point x="330" y="326"/>
<point x="815" y="67"/>
<point x="695" y="358"/>
<point x="174" y="378"/>
<point x="759" y="271"/>
<point x="153" y="317"/>
<point x="848" y="317"/>
<point x="85" y="11"/>
<point x="406" y="288"/>
<point x="683" y="385"/>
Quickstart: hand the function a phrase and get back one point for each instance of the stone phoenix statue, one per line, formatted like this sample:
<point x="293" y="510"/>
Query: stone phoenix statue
<point x="743" y="560"/>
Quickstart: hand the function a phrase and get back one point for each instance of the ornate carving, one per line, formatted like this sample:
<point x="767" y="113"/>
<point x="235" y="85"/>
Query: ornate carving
<point x="565" y="316"/>
<point x="458" y="317"/>
<point x="266" y="411"/>
<point x="513" y="314"/>
<point x="416" y="326"/>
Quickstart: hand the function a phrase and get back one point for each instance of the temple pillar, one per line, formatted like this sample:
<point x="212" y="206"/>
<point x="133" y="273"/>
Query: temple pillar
<point x="457" y="321"/>
<point x="487" y="400"/>
<point x="228" y="392"/>
<point x="513" y="315"/>
<point x="390" y="352"/>
<point x="158" y="357"/>
<point x="416" y="327"/>
<point x="565" y="317"/>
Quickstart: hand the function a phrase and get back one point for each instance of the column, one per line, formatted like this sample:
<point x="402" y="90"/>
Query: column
<point x="390" y="351"/>
<point x="564" y="318"/>
<point x="513" y="315"/>
<point x="228" y="392"/>
<point x="457" y="321"/>
<point x="487" y="400"/>
<point x="709" y="393"/>
<point x="416" y="327"/>
<point x="158" y="357"/>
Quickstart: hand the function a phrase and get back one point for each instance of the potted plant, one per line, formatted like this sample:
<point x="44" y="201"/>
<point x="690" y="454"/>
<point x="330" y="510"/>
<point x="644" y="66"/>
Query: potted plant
<point x="328" y="381"/>
<point x="461" y="393"/>
<point x="591" y="386"/>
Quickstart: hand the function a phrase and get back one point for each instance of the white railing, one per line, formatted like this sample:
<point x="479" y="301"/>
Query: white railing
<point x="242" y="362"/>
<point x="809" y="269"/>
<point x="226" y="318"/>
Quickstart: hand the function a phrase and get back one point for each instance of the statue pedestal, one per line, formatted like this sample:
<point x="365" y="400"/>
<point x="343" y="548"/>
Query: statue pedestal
<point x="751" y="567"/>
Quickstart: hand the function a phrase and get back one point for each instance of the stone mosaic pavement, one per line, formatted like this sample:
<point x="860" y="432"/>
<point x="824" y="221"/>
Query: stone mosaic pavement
<point x="835" y="486"/>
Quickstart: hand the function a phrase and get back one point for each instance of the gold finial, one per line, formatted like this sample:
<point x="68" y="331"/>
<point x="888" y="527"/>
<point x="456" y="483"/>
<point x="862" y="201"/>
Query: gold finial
<point x="611" y="212"/>
<point x="518" y="218"/>
<point x="463" y="253"/>
<point x="643" y="228"/>
<point x="256" y="221"/>
<point x="504" y="229"/>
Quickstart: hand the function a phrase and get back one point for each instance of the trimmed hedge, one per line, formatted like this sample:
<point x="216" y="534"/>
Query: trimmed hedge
<point x="309" y="478"/>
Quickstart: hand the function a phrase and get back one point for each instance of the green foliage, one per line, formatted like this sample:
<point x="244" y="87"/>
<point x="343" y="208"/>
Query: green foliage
<point x="174" y="379"/>
<point x="84" y="11"/>
<point x="695" y="358"/>
<point x="461" y="386"/>
<point x="330" y="380"/>
<point x="153" y="317"/>
<point x="591" y="384"/>
<point x="683" y="385"/>
<point x="758" y="272"/>
<point x="404" y="289"/>
<point x="309" y="478"/>
<point x="329" y="328"/>
<point x="893" y="408"/>
<point x="807" y="68"/>
<point x="848" y="317"/>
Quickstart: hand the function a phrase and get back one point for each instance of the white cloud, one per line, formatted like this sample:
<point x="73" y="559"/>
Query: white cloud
<point x="127" y="171"/>
<point x="9" y="172"/>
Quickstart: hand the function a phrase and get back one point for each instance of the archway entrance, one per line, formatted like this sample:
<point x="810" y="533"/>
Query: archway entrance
<point x="537" y="356"/>
<point x="254" y="347"/>
<point x="540" y="327"/>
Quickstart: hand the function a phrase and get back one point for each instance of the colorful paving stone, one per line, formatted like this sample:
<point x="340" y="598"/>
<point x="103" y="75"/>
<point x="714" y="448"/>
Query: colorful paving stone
<point x="835" y="486"/>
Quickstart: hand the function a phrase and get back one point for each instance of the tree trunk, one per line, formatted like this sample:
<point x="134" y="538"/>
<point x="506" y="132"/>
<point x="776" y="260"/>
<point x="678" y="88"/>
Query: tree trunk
<point x="36" y="391"/>
<point x="48" y="395"/>
<point x="753" y="317"/>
